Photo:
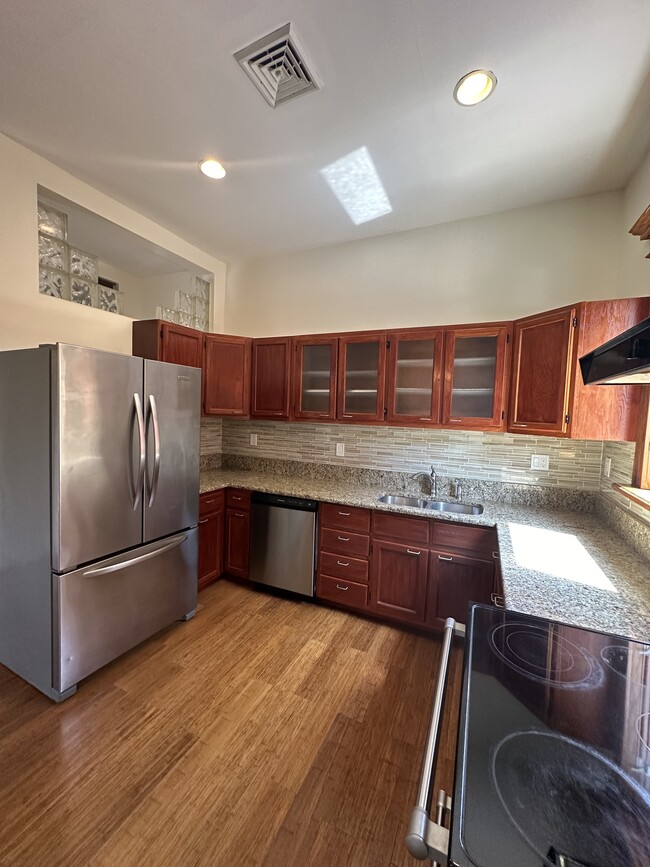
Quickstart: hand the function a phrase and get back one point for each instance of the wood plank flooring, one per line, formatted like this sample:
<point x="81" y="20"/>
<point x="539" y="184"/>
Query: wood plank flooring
<point x="266" y="732"/>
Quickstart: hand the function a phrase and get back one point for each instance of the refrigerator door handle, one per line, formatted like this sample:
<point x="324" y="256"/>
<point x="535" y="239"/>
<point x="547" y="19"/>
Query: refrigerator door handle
<point x="155" y="475"/>
<point x="143" y="451"/>
<point x="126" y="564"/>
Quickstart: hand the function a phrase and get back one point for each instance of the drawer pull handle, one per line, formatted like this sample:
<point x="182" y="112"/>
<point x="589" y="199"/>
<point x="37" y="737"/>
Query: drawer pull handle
<point x="455" y="419"/>
<point x="238" y="498"/>
<point x="341" y="563"/>
<point x="440" y="557"/>
<point x="347" y="416"/>
<point x="341" y="587"/>
<point x="518" y="424"/>
<point x="345" y="514"/>
<point x="415" y="553"/>
<point x="495" y="555"/>
<point x="498" y="601"/>
<point x="238" y="514"/>
<point x="204" y="521"/>
<point x="343" y="538"/>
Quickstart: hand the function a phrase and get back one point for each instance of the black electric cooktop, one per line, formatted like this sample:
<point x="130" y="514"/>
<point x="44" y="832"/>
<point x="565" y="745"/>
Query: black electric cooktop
<point x="553" y="763"/>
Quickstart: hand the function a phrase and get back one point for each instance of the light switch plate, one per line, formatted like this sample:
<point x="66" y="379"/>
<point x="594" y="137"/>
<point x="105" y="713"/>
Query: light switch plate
<point x="340" y="450"/>
<point x="608" y="467"/>
<point x="253" y="439"/>
<point x="539" y="462"/>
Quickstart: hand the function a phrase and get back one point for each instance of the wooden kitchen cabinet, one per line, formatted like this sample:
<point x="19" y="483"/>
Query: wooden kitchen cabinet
<point x="211" y="537"/>
<point x="398" y="580"/>
<point x="414" y="377"/>
<point x="237" y="540"/>
<point x="361" y="377"/>
<point x="314" y="376"/>
<point x="226" y="377"/>
<point x="542" y="365"/>
<point x="166" y="341"/>
<point x="455" y="580"/>
<point x="476" y="377"/>
<point x="271" y="378"/>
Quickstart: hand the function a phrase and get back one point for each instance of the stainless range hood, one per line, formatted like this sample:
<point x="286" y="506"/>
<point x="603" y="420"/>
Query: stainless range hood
<point x="624" y="360"/>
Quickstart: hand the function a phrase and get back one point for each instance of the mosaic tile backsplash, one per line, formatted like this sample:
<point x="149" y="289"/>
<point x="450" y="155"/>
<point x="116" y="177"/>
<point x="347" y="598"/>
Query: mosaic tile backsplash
<point x="464" y="454"/>
<point x="622" y="457"/>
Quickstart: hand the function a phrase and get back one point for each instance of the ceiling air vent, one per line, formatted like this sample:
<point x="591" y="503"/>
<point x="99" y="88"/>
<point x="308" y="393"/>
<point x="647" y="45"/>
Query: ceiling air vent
<point x="278" y="66"/>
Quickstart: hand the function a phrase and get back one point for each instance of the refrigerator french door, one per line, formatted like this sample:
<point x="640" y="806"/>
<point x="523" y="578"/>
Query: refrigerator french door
<point x="99" y="456"/>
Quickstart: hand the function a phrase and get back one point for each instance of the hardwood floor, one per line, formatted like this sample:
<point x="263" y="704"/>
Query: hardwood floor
<point x="266" y="731"/>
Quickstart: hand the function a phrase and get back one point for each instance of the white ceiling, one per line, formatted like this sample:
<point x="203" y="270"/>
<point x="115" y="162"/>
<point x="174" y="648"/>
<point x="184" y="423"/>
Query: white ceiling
<point x="130" y="95"/>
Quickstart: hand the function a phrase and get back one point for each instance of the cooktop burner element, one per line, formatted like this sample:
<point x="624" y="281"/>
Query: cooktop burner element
<point x="630" y="662"/>
<point x="570" y="803"/>
<point x="545" y="657"/>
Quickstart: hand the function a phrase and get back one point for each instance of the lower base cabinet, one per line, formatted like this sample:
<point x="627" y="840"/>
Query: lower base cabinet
<point x="237" y="542"/>
<point x="455" y="580"/>
<point x="399" y="581"/>
<point x="211" y="518"/>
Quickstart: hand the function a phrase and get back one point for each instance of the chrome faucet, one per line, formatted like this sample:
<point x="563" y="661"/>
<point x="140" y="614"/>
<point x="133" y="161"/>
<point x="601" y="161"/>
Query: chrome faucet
<point x="429" y="477"/>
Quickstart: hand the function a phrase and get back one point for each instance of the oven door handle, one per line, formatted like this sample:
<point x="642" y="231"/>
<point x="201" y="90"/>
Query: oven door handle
<point x="427" y="839"/>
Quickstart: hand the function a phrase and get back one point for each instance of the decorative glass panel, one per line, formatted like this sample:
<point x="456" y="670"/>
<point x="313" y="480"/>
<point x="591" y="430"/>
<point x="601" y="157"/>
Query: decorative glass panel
<point x="201" y="289"/>
<point x="185" y="303"/>
<point x="52" y="222"/>
<point x="82" y="292"/>
<point x="472" y="394"/>
<point x="316" y="370"/>
<point x="361" y="377"/>
<point x="201" y="309"/>
<point x="110" y="300"/>
<point x="52" y="253"/>
<point x="185" y="318"/>
<point x="53" y="283"/>
<point x="83" y="265"/>
<point x="414" y="379"/>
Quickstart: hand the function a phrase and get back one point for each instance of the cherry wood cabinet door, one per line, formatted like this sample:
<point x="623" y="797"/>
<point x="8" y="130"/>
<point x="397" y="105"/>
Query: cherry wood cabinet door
<point x="542" y="368"/>
<point x="398" y="581"/>
<point x="455" y="580"/>
<point x="414" y="377"/>
<point x="476" y="377"/>
<point x="362" y="378"/>
<point x="271" y="387"/>
<point x="226" y="375"/>
<point x="315" y="364"/>
<point x="165" y="341"/>
<point x="237" y="542"/>
<point x="211" y="531"/>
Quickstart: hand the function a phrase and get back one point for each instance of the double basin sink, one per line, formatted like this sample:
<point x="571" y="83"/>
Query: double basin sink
<point x="433" y="505"/>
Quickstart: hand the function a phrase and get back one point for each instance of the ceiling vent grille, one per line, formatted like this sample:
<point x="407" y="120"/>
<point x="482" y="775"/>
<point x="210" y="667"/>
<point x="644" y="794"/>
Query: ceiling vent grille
<point x="278" y="66"/>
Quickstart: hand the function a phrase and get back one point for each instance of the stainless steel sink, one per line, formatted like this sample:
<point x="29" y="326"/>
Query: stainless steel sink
<point x="394" y="500"/>
<point x="457" y="508"/>
<point x="434" y="505"/>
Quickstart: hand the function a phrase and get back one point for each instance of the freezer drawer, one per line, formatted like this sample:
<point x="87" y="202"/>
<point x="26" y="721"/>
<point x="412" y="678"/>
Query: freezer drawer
<point x="108" y="607"/>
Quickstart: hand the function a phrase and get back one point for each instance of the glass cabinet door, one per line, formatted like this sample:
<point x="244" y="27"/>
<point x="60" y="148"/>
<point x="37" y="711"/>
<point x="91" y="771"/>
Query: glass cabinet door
<point x="414" y="376"/>
<point x="315" y="377"/>
<point x="362" y="378"/>
<point x="475" y="377"/>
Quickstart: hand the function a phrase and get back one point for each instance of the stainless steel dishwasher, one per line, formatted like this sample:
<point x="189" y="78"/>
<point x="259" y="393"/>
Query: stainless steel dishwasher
<point x="283" y="542"/>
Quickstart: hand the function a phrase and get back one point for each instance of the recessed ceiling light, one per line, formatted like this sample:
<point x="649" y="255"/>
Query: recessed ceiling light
<point x="475" y="87"/>
<point x="212" y="168"/>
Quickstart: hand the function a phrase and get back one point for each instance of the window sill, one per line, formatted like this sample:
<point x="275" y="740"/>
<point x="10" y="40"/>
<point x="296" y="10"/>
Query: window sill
<point x="638" y="495"/>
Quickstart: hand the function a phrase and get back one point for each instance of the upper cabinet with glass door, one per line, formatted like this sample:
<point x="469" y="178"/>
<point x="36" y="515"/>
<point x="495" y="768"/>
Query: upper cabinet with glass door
<point x="475" y="377"/>
<point x="361" y="379"/>
<point x="414" y="387"/>
<point x="314" y="377"/>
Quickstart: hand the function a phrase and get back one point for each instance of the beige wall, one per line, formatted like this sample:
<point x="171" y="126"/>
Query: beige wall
<point x="28" y="318"/>
<point x="488" y="268"/>
<point x="635" y="268"/>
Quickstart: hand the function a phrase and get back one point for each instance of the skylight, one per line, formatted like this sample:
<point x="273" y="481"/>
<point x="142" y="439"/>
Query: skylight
<point x="354" y="181"/>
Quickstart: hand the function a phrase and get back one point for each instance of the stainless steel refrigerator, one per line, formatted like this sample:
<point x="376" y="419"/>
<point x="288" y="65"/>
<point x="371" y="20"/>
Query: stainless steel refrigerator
<point x="99" y="493"/>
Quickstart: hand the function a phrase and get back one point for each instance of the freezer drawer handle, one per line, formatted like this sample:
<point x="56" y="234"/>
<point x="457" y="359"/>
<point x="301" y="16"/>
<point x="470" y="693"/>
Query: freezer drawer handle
<point x="143" y="451"/>
<point x="156" y="450"/>
<point x="116" y="567"/>
<point x="427" y="839"/>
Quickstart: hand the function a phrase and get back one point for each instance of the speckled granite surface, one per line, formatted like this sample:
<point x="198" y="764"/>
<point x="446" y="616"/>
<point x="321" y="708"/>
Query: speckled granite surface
<point x="565" y="565"/>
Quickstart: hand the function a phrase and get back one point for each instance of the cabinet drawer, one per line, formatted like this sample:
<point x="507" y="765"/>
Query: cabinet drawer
<point x="345" y="517"/>
<point x="344" y="592"/>
<point x="400" y="528"/>
<point x="348" y="544"/>
<point x="446" y="534"/>
<point x="236" y="498"/>
<point x="344" y="567"/>
<point x="211" y="502"/>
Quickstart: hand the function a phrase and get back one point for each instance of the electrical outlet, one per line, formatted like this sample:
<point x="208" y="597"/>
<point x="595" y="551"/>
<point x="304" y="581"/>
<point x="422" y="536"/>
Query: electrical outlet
<point x="539" y="462"/>
<point x="340" y="450"/>
<point x="608" y="467"/>
<point x="253" y="439"/>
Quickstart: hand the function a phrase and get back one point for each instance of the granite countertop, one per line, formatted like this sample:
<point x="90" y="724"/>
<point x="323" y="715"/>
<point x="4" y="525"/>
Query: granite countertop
<point x="566" y="566"/>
